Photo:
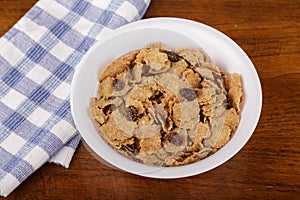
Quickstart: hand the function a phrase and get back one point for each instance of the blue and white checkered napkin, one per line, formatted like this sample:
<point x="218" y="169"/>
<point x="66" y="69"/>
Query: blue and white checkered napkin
<point x="37" y="61"/>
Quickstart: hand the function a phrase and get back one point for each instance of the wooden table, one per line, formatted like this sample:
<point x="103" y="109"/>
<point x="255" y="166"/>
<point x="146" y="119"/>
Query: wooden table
<point x="268" y="167"/>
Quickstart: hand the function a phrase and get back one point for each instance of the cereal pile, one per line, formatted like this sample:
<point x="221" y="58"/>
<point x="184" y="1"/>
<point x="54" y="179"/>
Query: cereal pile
<point x="166" y="108"/>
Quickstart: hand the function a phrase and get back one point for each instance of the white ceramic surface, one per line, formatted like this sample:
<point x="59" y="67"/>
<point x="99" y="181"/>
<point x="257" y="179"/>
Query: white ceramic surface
<point x="175" y="33"/>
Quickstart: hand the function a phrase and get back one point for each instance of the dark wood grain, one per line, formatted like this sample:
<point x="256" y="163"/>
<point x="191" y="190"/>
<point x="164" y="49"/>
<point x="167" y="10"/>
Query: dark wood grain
<point x="268" y="167"/>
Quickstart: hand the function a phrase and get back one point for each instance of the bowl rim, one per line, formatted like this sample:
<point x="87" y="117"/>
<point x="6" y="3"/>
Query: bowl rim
<point x="190" y="169"/>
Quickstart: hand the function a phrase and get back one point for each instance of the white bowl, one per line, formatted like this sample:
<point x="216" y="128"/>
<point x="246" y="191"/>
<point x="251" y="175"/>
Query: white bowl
<point x="175" y="33"/>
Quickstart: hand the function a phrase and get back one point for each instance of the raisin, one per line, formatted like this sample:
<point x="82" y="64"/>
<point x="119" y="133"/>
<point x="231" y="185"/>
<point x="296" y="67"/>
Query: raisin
<point x="174" y="138"/>
<point x="188" y="94"/>
<point x="131" y="113"/>
<point x="118" y="84"/>
<point x="173" y="57"/>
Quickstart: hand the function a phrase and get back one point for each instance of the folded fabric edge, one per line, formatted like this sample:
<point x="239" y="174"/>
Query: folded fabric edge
<point x="64" y="156"/>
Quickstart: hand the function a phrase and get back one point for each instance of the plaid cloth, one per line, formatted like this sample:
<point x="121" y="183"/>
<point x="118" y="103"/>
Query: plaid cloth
<point x="38" y="57"/>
